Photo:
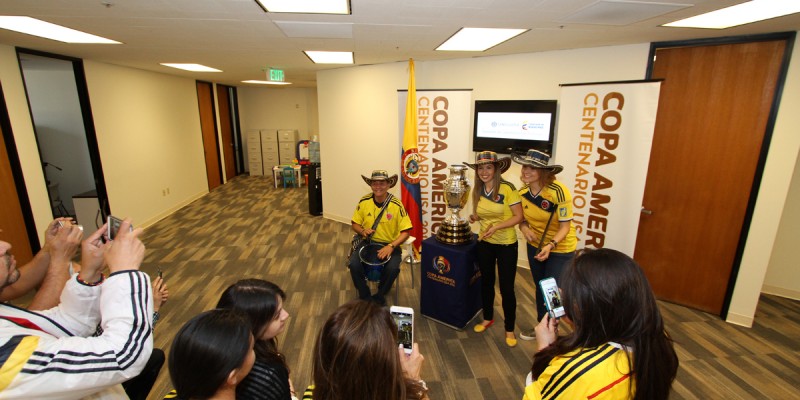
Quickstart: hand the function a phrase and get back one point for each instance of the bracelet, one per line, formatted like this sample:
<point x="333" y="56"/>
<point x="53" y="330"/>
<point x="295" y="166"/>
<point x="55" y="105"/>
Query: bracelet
<point x="390" y="245"/>
<point x="554" y="243"/>
<point x="83" y="282"/>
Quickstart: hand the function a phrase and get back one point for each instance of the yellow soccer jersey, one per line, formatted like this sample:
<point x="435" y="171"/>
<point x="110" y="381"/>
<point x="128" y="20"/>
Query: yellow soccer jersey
<point x="536" y="216"/>
<point x="496" y="210"/>
<point x="600" y="373"/>
<point x="393" y="221"/>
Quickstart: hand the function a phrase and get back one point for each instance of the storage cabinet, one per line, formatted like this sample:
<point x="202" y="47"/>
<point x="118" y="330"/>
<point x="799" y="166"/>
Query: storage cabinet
<point x="287" y="145"/>
<point x="254" y="153"/>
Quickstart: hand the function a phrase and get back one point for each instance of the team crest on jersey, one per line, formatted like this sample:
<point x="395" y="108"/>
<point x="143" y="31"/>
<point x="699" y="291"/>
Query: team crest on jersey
<point x="545" y="204"/>
<point x="411" y="166"/>
<point x="562" y="211"/>
<point x="441" y="264"/>
<point x="389" y="216"/>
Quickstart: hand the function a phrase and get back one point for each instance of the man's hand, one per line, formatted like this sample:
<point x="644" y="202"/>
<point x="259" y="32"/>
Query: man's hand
<point x="64" y="244"/>
<point x="126" y="251"/>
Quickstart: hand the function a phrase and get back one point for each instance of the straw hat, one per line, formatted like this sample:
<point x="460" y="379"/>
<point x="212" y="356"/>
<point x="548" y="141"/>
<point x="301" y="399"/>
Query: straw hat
<point x="536" y="159"/>
<point x="381" y="175"/>
<point x="490" y="157"/>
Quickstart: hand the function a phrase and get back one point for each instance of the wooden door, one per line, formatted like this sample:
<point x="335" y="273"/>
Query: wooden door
<point x="205" y="101"/>
<point x="12" y="221"/>
<point x="712" y="115"/>
<point x="226" y="130"/>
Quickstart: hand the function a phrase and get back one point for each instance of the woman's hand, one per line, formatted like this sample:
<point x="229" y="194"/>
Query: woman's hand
<point x="411" y="363"/>
<point x="474" y="218"/>
<point x="544" y="252"/>
<point x="160" y="293"/>
<point x="546" y="331"/>
<point x="385" y="252"/>
<point x="527" y="232"/>
<point x="366" y="232"/>
<point x="490" y="230"/>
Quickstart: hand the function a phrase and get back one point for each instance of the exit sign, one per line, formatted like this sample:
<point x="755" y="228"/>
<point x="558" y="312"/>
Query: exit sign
<point x="276" y="75"/>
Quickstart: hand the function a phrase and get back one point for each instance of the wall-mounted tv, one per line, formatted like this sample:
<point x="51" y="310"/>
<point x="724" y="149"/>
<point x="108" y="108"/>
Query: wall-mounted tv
<point x="506" y="126"/>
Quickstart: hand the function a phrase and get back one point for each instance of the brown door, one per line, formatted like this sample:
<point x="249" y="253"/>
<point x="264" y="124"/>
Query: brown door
<point x="205" y="100"/>
<point x="712" y="116"/>
<point x="226" y="130"/>
<point x="11" y="219"/>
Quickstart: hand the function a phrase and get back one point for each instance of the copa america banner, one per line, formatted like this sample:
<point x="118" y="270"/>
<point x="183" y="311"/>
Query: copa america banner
<point x="605" y="131"/>
<point x="443" y="121"/>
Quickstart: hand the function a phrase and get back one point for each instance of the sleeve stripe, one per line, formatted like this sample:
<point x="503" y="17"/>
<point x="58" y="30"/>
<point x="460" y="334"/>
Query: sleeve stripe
<point x="71" y="362"/>
<point x="575" y="371"/>
<point x="559" y="191"/>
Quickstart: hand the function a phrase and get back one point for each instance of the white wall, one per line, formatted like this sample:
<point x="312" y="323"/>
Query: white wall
<point x="148" y="132"/>
<point x="783" y="174"/>
<point x="285" y="108"/>
<point x="358" y="118"/>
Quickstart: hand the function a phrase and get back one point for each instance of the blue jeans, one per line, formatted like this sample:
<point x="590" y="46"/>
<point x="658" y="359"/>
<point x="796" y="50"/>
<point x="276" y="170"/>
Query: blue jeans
<point x="552" y="267"/>
<point x="505" y="256"/>
<point x="388" y="275"/>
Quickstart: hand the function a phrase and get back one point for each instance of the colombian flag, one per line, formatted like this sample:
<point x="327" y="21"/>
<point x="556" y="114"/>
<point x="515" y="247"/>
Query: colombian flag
<point x="410" y="191"/>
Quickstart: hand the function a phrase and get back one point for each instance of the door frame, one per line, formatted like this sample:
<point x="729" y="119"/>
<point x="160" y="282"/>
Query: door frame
<point x="19" y="178"/>
<point x="789" y="37"/>
<point x="88" y="123"/>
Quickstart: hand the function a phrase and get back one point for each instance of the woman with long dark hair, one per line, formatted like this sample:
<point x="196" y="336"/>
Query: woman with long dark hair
<point x="262" y="302"/>
<point x="356" y="356"/>
<point x="618" y="348"/>
<point x="211" y="354"/>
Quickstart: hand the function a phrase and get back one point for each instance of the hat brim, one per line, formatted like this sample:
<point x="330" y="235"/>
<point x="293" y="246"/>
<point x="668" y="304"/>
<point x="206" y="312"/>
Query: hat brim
<point x="522" y="160"/>
<point x="392" y="180"/>
<point x="503" y="163"/>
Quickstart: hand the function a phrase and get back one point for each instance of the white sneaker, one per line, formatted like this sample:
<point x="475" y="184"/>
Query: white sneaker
<point x="527" y="335"/>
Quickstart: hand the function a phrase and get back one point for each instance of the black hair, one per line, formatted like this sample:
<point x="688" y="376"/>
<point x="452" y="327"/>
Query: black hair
<point x="258" y="300"/>
<point x="205" y="351"/>
<point x="608" y="298"/>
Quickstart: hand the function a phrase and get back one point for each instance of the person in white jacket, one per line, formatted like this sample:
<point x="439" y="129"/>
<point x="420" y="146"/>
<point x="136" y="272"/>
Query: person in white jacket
<point x="52" y="355"/>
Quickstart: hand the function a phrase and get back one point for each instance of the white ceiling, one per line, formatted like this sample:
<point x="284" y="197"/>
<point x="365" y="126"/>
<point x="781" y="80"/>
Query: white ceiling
<point x="238" y="37"/>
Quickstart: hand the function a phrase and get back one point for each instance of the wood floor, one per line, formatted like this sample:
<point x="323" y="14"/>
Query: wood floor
<point x="246" y="228"/>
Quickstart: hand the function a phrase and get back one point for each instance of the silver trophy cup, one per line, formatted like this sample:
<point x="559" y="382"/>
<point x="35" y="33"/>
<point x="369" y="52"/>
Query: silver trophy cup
<point x="455" y="229"/>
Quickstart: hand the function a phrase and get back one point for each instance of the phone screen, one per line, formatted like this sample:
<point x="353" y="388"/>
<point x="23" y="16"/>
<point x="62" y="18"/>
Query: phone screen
<point x="552" y="297"/>
<point x="405" y="327"/>
<point x="113" y="227"/>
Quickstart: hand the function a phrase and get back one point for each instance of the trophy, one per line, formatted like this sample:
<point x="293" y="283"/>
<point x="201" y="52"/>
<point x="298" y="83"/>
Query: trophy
<point x="454" y="229"/>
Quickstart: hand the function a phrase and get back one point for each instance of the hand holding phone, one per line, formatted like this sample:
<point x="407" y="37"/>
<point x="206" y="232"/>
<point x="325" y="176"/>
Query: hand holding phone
<point x="113" y="227"/>
<point x="552" y="297"/>
<point x="404" y="319"/>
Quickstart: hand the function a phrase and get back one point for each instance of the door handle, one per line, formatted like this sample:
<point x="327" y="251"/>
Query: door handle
<point x="646" y="211"/>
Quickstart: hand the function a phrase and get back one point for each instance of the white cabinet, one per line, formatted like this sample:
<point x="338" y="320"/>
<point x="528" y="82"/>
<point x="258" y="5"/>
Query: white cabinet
<point x="254" y="153"/>
<point x="269" y="148"/>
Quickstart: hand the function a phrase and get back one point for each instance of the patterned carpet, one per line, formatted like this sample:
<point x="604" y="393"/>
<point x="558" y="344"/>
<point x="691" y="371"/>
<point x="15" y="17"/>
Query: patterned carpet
<point x="247" y="228"/>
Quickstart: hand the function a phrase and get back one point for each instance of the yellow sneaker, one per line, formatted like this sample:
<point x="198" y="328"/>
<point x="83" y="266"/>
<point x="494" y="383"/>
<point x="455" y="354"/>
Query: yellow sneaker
<point x="482" y="326"/>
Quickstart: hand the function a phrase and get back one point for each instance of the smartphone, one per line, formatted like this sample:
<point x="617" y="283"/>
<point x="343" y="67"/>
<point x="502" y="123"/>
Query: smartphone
<point x="552" y="297"/>
<point x="404" y="319"/>
<point x="160" y="273"/>
<point x="113" y="227"/>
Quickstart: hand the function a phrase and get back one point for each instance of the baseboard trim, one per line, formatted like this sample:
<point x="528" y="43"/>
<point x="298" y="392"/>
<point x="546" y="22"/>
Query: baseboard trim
<point x="782" y="292"/>
<point x="741" y="320"/>
<point x="171" y="210"/>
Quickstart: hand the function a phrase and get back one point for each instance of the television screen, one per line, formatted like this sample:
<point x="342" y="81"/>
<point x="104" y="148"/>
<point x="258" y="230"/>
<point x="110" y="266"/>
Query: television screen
<point x="505" y="126"/>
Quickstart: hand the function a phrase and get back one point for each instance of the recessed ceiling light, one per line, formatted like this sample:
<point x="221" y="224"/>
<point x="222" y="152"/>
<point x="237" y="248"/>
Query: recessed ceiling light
<point x="306" y="6"/>
<point x="191" y="67"/>
<point x="267" y="82"/>
<point x="478" y="39"/>
<point x="36" y="27"/>
<point x="740" y="14"/>
<point x="330" y="57"/>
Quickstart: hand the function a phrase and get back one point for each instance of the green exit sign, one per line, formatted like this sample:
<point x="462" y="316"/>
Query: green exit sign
<point x="276" y="75"/>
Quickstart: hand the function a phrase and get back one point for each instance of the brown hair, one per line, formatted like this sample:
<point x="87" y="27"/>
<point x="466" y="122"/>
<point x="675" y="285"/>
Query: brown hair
<point x="356" y="356"/>
<point x="479" y="186"/>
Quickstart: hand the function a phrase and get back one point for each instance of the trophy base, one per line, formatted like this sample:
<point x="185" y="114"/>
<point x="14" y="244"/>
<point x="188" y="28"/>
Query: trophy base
<point x="454" y="234"/>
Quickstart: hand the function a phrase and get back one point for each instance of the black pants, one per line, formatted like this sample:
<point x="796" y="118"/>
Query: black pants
<point x="139" y="387"/>
<point x="505" y="256"/>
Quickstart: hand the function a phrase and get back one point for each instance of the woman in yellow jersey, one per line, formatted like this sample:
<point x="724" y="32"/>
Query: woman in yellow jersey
<point x="497" y="208"/>
<point x="547" y="227"/>
<point x="618" y="348"/>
